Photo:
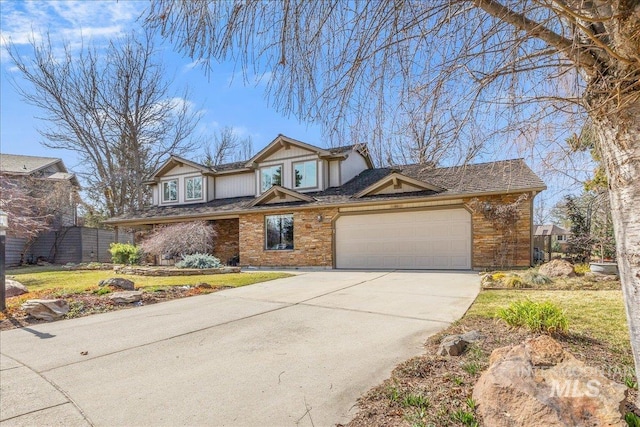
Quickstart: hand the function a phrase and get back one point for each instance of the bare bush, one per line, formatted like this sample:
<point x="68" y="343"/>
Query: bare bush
<point x="180" y="239"/>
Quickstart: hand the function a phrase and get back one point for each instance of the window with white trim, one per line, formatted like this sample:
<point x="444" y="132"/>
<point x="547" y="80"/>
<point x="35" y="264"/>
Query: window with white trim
<point x="193" y="188"/>
<point x="170" y="191"/>
<point x="269" y="176"/>
<point x="278" y="232"/>
<point x="305" y="174"/>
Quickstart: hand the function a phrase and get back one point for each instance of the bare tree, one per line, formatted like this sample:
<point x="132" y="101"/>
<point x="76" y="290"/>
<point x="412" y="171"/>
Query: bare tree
<point x="498" y="61"/>
<point x="36" y="205"/>
<point x="227" y="146"/>
<point x="112" y="108"/>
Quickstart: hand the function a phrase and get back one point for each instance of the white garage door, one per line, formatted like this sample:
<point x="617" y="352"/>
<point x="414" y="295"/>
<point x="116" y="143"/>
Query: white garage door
<point x="435" y="239"/>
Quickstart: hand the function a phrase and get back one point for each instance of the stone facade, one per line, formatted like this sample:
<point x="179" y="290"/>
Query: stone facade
<point x="312" y="240"/>
<point x="227" y="240"/>
<point x="497" y="244"/>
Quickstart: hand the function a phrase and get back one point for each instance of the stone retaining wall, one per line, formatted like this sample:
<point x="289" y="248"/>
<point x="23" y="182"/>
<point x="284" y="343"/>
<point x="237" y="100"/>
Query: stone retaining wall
<point x="169" y="271"/>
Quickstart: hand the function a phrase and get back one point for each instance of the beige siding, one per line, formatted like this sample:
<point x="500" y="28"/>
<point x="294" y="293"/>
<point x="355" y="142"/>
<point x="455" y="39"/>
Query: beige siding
<point x="402" y="188"/>
<point x="334" y="173"/>
<point x="351" y="167"/>
<point x="154" y="195"/>
<point x="211" y="187"/>
<point x="236" y="185"/>
<point x="293" y="151"/>
<point x="181" y="170"/>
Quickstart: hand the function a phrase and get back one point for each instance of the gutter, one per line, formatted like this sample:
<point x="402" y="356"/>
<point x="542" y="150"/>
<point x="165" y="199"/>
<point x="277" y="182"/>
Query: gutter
<point x="236" y="213"/>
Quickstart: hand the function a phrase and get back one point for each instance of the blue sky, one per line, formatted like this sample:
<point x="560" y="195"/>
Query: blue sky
<point x="222" y="98"/>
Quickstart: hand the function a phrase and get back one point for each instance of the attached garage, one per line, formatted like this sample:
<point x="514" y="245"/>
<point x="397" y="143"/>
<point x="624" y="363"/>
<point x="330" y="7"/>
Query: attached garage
<point x="421" y="239"/>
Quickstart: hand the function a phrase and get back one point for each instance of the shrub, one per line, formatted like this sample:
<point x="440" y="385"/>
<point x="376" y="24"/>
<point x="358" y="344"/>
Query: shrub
<point x="582" y="269"/>
<point x="515" y="282"/>
<point x="537" y="317"/>
<point x="536" y="279"/>
<point x="125" y="253"/>
<point x="199" y="261"/>
<point x="180" y="239"/>
<point x="498" y="276"/>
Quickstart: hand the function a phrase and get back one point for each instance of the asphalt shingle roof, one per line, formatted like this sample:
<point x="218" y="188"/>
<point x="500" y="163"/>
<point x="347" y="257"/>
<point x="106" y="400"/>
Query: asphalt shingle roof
<point x="19" y="164"/>
<point x="493" y="177"/>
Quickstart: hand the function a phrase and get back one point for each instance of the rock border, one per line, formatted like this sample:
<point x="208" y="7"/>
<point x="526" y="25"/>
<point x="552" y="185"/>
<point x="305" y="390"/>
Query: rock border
<point x="172" y="271"/>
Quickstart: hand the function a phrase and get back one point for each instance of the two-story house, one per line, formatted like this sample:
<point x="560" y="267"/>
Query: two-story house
<point x="63" y="241"/>
<point x="296" y="204"/>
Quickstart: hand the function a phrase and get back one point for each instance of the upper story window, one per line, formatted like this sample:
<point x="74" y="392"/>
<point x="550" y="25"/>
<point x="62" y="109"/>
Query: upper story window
<point x="170" y="191"/>
<point x="270" y="175"/>
<point x="305" y="174"/>
<point x="193" y="188"/>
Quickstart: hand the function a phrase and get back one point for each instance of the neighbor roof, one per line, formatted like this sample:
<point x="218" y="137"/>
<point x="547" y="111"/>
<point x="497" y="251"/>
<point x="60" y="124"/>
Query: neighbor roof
<point x="460" y="181"/>
<point x="26" y="165"/>
<point x="550" y="230"/>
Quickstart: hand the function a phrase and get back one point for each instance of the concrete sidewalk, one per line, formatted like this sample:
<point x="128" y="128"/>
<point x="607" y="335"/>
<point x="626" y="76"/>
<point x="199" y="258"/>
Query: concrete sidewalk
<point x="295" y="351"/>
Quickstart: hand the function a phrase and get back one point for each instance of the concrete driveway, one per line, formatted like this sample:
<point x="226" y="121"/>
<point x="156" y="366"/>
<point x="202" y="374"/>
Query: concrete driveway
<point x="295" y="351"/>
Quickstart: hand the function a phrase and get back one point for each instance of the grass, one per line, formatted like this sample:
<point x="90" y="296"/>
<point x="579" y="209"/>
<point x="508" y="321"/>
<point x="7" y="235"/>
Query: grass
<point x="597" y="334"/>
<point x="76" y="281"/>
<point x="536" y="316"/>
<point x="598" y="314"/>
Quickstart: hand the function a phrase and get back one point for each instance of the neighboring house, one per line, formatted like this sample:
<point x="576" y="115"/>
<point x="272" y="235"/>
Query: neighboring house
<point x="295" y="204"/>
<point x="49" y="169"/>
<point x="65" y="241"/>
<point x="545" y="238"/>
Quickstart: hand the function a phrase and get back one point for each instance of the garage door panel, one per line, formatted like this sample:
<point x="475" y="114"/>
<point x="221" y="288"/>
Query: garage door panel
<point x="437" y="239"/>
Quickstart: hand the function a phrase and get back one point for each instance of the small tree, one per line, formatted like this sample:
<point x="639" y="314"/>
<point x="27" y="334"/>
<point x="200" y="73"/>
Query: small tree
<point x="35" y="205"/>
<point x="180" y="239"/>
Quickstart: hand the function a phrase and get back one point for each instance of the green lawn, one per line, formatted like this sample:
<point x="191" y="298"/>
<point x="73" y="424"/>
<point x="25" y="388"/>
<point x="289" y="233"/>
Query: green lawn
<point x="598" y="314"/>
<point x="42" y="278"/>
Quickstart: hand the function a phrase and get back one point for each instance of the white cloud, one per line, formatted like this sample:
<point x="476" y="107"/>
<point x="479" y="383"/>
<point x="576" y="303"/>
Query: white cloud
<point x="66" y="20"/>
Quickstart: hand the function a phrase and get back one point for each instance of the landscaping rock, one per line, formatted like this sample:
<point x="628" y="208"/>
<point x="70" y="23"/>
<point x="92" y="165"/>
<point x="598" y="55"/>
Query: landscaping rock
<point x="203" y="286"/>
<point x="13" y="288"/>
<point x="126" y="297"/>
<point x="119" y="283"/>
<point x="46" y="309"/>
<point x="454" y="345"/>
<point x="557" y="268"/>
<point x="538" y="383"/>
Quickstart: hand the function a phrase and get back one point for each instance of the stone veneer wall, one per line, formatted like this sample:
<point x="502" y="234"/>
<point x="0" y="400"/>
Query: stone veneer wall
<point x="489" y="248"/>
<point x="312" y="240"/>
<point x="227" y="240"/>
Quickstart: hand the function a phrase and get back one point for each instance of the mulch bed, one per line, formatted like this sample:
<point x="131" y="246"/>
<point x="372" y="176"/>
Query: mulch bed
<point x="87" y="303"/>
<point x="434" y="390"/>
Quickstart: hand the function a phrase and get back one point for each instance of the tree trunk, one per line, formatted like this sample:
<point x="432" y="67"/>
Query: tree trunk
<point x="619" y="137"/>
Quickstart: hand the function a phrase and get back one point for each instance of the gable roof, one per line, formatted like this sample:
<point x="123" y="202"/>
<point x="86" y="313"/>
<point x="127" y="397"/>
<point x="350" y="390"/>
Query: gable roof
<point x="550" y="230"/>
<point x="396" y="178"/>
<point x="281" y="193"/>
<point x="283" y="141"/>
<point x="174" y="161"/>
<point x="26" y="165"/>
<point x="491" y="177"/>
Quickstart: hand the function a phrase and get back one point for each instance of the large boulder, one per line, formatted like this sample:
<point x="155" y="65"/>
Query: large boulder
<point x="13" y="288"/>
<point x="538" y="383"/>
<point x="46" y="309"/>
<point x="117" y="282"/>
<point x="126" y="297"/>
<point x="557" y="268"/>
